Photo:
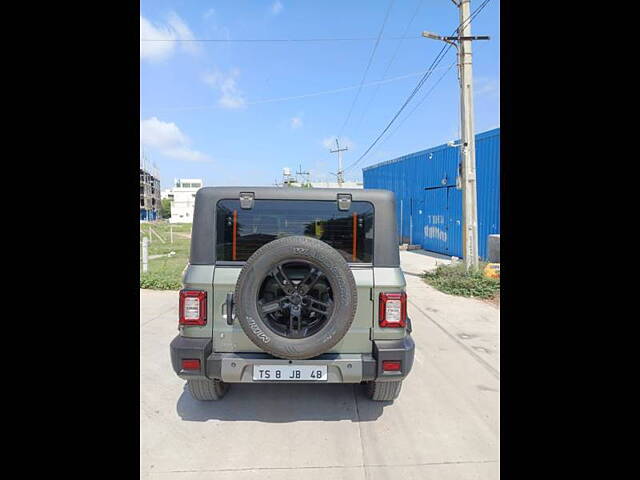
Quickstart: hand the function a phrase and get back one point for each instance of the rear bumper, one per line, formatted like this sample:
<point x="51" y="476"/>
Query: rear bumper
<point x="341" y="368"/>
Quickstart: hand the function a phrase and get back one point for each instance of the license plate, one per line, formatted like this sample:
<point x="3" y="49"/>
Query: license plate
<point x="290" y="372"/>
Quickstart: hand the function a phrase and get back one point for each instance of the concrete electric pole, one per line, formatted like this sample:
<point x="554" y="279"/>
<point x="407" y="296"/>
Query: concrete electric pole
<point x="305" y="181"/>
<point x="462" y="42"/>
<point x="339" y="151"/>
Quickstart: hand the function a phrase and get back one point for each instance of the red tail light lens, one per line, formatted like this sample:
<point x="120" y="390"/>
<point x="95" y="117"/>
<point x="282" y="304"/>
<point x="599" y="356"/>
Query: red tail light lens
<point x="190" y="364"/>
<point x="393" y="309"/>
<point x="391" y="365"/>
<point x="193" y="307"/>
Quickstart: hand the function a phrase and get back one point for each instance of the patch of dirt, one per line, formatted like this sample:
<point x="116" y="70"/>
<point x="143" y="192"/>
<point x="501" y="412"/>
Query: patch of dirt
<point x="495" y="300"/>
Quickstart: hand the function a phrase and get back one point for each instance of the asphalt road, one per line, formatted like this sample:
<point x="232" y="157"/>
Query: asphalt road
<point x="445" y="424"/>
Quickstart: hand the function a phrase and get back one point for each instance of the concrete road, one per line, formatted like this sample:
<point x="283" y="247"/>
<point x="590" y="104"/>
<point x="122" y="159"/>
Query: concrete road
<point x="445" y="424"/>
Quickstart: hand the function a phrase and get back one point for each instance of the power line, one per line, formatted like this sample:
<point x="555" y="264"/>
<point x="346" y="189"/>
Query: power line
<point x="424" y="78"/>
<point x="276" y="40"/>
<point x="337" y="90"/>
<point x="438" y="59"/>
<point x="366" y="70"/>
<point x="419" y="103"/>
<point x="307" y="95"/>
<point x="424" y="97"/>
<point x="393" y="57"/>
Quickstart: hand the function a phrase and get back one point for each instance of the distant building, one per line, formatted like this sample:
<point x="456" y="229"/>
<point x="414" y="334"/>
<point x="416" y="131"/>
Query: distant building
<point x="345" y="184"/>
<point x="149" y="192"/>
<point x="291" y="180"/>
<point x="183" y="198"/>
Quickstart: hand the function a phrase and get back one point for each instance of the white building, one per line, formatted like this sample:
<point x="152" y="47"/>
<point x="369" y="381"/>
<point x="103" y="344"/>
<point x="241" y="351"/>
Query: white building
<point x="345" y="184"/>
<point x="183" y="198"/>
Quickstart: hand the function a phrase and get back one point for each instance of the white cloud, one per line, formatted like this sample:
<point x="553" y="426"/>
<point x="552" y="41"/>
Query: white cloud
<point x="296" y="122"/>
<point x="225" y="83"/>
<point x="208" y="13"/>
<point x="486" y="86"/>
<point x="330" y="142"/>
<point x="175" y="29"/>
<point x="168" y="139"/>
<point x="276" y="7"/>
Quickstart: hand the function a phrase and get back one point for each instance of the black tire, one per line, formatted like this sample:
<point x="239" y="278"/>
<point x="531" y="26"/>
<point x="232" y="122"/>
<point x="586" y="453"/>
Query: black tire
<point x="383" y="391"/>
<point x="338" y="275"/>
<point x="207" y="390"/>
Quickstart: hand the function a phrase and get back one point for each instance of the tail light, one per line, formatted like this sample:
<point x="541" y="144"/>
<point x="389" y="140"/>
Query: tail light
<point x="391" y="365"/>
<point x="190" y="364"/>
<point x="193" y="307"/>
<point x="393" y="309"/>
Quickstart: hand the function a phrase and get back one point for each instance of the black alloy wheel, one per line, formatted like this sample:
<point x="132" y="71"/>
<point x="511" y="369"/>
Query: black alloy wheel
<point x="295" y="299"/>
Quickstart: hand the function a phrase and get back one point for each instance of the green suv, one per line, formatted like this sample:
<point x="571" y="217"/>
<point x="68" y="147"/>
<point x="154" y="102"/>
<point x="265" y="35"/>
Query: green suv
<point x="290" y="285"/>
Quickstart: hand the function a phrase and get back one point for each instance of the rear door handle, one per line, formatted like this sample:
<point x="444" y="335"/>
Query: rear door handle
<point x="229" y="308"/>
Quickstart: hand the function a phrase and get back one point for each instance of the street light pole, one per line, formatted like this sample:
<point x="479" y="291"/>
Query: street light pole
<point x="462" y="42"/>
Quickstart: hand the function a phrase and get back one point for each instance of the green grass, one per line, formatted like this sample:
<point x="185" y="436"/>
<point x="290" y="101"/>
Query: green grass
<point x="165" y="273"/>
<point x="454" y="280"/>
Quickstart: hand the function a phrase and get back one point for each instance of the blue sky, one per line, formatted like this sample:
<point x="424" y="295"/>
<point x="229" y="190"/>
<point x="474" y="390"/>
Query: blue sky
<point x="223" y="112"/>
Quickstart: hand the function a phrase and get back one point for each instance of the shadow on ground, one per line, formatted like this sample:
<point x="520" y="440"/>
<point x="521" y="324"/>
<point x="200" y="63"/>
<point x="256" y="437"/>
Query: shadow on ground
<point x="284" y="403"/>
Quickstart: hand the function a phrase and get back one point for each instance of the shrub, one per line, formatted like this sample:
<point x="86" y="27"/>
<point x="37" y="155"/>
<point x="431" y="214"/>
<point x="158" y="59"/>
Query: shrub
<point x="455" y="280"/>
<point x="160" y="281"/>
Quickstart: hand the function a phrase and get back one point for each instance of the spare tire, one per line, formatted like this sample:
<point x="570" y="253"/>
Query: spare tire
<point x="296" y="297"/>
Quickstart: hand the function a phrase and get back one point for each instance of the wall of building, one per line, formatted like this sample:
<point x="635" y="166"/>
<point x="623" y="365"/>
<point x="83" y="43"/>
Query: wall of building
<point x="183" y="199"/>
<point x="345" y="184"/>
<point x="429" y="206"/>
<point x="149" y="195"/>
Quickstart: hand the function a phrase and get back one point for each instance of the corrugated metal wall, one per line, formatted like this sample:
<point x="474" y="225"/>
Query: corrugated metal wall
<point x="429" y="206"/>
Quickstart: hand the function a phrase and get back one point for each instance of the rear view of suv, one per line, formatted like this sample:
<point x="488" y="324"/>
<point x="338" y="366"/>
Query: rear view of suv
<point x="292" y="285"/>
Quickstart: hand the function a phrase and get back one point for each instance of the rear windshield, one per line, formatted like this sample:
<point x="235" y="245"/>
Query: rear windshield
<point x="241" y="232"/>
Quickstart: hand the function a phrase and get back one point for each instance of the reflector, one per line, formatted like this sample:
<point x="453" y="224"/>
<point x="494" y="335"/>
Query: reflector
<point x="391" y="365"/>
<point x="190" y="364"/>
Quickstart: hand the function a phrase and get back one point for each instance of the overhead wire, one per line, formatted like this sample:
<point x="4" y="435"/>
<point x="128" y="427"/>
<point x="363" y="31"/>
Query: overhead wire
<point x="421" y="82"/>
<point x="417" y="105"/>
<point x="305" y="95"/>
<point x="366" y="70"/>
<point x="393" y="57"/>
<point x="276" y="40"/>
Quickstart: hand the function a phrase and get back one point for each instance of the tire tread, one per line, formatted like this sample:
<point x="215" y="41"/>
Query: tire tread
<point x="384" y="391"/>
<point x="207" y="390"/>
<point x="319" y="248"/>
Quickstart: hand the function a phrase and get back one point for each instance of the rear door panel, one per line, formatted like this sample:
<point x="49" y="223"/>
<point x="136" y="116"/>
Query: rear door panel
<point x="227" y="338"/>
<point x="231" y="338"/>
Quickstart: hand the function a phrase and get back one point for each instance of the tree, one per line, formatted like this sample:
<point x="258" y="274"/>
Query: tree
<point x="166" y="208"/>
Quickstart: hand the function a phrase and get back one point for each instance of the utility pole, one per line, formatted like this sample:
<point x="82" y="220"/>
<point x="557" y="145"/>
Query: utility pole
<point x="468" y="147"/>
<point x="340" y="173"/>
<point x="300" y="172"/>
<point x="462" y="42"/>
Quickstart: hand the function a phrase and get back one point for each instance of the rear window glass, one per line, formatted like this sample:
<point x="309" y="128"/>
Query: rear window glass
<point x="241" y="232"/>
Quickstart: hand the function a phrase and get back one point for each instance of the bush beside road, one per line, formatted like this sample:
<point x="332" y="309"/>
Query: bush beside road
<point x="455" y="280"/>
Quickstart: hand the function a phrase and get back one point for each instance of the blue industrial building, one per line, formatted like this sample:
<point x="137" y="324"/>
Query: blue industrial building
<point x="428" y="201"/>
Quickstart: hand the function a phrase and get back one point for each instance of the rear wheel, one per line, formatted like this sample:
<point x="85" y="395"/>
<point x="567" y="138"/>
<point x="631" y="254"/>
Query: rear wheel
<point x="207" y="390"/>
<point x="383" y="391"/>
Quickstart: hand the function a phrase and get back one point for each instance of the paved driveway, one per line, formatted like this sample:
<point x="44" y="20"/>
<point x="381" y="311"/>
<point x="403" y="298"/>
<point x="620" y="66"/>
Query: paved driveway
<point x="445" y="424"/>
